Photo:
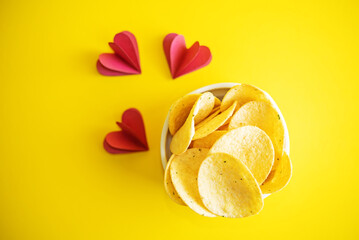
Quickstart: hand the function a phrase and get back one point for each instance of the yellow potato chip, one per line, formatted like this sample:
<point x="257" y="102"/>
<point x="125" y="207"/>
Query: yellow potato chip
<point x="264" y="116"/>
<point x="180" y="111"/>
<point x="228" y="188"/>
<point x="215" y="109"/>
<point x="208" y="141"/>
<point x="183" y="137"/>
<point x="207" y="119"/>
<point x="184" y="171"/>
<point x="214" y="123"/>
<point x="170" y="189"/>
<point x="228" y="120"/>
<point x="242" y="93"/>
<point x="205" y="107"/>
<point x="223" y="127"/>
<point x="217" y="102"/>
<point x="252" y="146"/>
<point x="279" y="177"/>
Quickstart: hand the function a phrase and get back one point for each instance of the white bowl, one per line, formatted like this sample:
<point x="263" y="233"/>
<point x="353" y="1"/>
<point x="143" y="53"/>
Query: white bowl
<point x="218" y="90"/>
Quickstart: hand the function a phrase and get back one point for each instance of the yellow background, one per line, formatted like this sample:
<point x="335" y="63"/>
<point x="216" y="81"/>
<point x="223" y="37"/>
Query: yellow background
<point x="56" y="180"/>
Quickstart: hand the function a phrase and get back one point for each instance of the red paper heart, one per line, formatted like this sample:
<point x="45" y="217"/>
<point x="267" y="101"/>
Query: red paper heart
<point x="182" y="60"/>
<point x="112" y="150"/>
<point x="133" y="124"/>
<point x="124" y="61"/>
<point x="131" y="138"/>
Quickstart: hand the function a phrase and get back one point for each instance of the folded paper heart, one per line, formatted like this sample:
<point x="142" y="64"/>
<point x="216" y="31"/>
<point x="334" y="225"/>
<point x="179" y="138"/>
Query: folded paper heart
<point x="125" y="60"/>
<point x="131" y="138"/>
<point x="182" y="60"/>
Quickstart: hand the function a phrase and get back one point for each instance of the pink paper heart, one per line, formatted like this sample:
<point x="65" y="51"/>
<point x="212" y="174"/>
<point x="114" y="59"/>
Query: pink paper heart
<point x="202" y="58"/>
<point x="128" y="49"/>
<point x="107" y="72"/>
<point x="115" y="63"/>
<point x="125" y="60"/>
<point x="182" y="60"/>
<point x="175" y="48"/>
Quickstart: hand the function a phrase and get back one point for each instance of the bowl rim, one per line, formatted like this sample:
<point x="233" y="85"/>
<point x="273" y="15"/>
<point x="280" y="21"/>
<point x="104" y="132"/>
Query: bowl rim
<point x="211" y="87"/>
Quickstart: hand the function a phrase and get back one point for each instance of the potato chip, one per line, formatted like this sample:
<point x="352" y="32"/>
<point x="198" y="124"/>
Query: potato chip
<point x="214" y="123"/>
<point x="183" y="137"/>
<point x="205" y="107"/>
<point x="278" y="178"/>
<point x="207" y="119"/>
<point x="217" y="102"/>
<point x="208" y="141"/>
<point x="170" y="189"/>
<point x="242" y="93"/>
<point x="228" y="188"/>
<point x="264" y="116"/>
<point x="215" y="109"/>
<point x="228" y="120"/>
<point x="184" y="171"/>
<point x="252" y="146"/>
<point x="180" y="111"/>
<point x="226" y="154"/>
<point x="223" y="127"/>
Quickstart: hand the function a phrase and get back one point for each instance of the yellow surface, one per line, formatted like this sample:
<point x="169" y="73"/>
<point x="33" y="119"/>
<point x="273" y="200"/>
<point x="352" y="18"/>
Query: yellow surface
<point x="57" y="182"/>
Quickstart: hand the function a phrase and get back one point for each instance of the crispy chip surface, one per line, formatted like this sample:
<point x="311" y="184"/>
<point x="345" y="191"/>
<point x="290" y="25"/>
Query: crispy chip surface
<point x="184" y="172"/>
<point x="180" y="111"/>
<point x="279" y="177"/>
<point x="223" y="127"/>
<point x="205" y="106"/>
<point x="252" y="146"/>
<point x="208" y="141"/>
<point x="213" y="124"/>
<point x="170" y="189"/>
<point x="242" y="93"/>
<point x="204" y="121"/>
<point x="183" y="137"/>
<point x="264" y="116"/>
<point x="228" y="188"/>
<point x="217" y="102"/>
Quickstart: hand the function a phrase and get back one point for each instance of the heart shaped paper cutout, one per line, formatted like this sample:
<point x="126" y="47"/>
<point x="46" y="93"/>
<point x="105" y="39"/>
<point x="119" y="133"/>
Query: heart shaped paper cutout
<point x="125" y="60"/>
<point x="182" y="60"/>
<point x="112" y="150"/>
<point x="131" y="138"/>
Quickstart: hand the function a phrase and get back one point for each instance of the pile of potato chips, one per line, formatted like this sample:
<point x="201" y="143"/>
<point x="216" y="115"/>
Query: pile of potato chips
<point x="226" y="154"/>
